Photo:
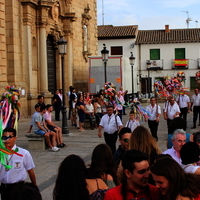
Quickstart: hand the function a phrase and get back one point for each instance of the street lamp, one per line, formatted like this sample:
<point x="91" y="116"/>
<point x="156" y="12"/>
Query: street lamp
<point x="132" y="62"/>
<point x="62" y="48"/>
<point x="104" y="54"/>
<point x="149" y="83"/>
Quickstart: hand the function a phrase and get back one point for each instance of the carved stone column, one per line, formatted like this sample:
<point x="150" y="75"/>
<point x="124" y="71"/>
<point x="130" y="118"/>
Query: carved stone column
<point x="67" y="20"/>
<point x="43" y="61"/>
<point x="42" y="23"/>
<point x="27" y="22"/>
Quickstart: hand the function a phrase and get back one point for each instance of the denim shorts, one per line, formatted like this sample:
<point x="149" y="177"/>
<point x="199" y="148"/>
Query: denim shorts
<point x="40" y="132"/>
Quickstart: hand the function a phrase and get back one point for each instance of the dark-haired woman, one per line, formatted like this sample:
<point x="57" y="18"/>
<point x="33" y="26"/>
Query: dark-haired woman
<point x="71" y="182"/>
<point x="103" y="166"/>
<point x="81" y="112"/>
<point x="190" y="153"/>
<point x="173" y="182"/>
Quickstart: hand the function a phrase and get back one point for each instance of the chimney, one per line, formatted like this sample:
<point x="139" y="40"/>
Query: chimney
<point x="167" y="29"/>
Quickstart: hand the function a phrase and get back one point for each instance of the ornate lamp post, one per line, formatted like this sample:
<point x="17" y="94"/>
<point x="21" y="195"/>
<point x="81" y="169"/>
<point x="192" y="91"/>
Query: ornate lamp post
<point x="62" y="46"/>
<point x="132" y="62"/>
<point x="104" y="54"/>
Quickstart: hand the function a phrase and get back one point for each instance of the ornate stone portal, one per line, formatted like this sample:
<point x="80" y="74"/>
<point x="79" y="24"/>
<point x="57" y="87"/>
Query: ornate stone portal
<point x="29" y="36"/>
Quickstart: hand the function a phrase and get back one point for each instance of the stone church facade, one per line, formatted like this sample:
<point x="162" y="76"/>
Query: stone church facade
<point x="29" y="58"/>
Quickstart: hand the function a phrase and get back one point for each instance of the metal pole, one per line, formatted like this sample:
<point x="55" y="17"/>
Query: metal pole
<point x="132" y="83"/>
<point x="64" y="110"/>
<point x="105" y="74"/>
<point x="149" y="85"/>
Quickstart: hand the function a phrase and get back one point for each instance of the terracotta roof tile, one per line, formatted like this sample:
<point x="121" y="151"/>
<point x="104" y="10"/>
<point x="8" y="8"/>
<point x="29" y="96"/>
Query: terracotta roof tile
<point x="112" y="32"/>
<point x="173" y="36"/>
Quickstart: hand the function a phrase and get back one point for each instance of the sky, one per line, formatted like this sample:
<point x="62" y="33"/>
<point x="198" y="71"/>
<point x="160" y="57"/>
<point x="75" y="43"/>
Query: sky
<point x="149" y="14"/>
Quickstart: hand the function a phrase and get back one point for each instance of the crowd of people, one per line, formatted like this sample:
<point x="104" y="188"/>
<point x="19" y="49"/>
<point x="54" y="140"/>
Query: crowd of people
<point x="137" y="169"/>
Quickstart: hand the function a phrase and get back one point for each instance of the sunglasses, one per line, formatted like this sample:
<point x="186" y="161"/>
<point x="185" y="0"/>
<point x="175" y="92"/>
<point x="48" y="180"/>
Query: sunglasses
<point x="126" y="140"/>
<point x="7" y="138"/>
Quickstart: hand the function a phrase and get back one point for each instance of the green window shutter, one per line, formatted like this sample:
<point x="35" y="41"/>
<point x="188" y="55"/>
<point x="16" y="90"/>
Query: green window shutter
<point x="180" y="53"/>
<point x="193" y="83"/>
<point x="154" y="54"/>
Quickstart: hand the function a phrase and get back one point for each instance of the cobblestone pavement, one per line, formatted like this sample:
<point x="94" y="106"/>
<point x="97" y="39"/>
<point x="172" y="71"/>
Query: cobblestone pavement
<point x="80" y="143"/>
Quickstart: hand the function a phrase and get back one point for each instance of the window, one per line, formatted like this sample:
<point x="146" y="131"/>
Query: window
<point x="180" y="53"/>
<point x="154" y="54"/>
<point x="159" y="79"/>
<point x="193" y="83"/>
<point x="117" y="50"/>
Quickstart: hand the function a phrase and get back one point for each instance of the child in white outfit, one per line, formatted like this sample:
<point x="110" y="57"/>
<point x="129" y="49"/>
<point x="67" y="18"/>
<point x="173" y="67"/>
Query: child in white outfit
<point x="132" y="123"/>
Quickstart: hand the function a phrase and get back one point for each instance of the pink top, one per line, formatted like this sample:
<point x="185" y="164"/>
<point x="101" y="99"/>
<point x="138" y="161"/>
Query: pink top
<point x="47" y="116"/>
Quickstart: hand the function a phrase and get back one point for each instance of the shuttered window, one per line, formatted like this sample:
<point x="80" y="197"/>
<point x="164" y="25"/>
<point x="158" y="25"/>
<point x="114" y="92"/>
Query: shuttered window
<point x="116" y="50"/>
<point x="180" y="53"/>
<point x="154" y="54"/>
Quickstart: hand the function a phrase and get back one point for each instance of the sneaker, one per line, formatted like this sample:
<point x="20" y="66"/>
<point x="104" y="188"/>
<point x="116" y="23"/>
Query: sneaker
<point x="61" y="145"/>
<point x="54" y="149"/>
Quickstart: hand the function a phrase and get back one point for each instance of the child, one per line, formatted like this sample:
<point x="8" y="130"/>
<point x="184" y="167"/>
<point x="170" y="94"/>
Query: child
<point x="132" y="123"/>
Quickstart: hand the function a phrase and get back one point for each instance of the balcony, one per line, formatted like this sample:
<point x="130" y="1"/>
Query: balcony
<point x="180" y="63"/>
<point x="154" y="64"/>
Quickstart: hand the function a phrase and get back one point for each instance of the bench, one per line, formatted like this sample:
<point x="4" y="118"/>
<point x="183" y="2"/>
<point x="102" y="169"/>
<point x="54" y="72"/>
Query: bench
<point x="35" y="142"/>
<point x="87" y="122"/>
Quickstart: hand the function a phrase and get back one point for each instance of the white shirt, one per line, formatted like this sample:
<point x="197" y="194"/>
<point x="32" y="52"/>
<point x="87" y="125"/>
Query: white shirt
<point x="132" y="124"/>
<point x="153" y="111"/>
<point x="60" y="95"/>
<point x="89" y="108"/>
<point x="190" y="168"/>
<point x="98" y="108"/>
<point x="172" y="152"/>
<point x="195" y="99"/>
<point x="19" y="164"/>
<point x="183" y="100"/>
<point x="109" y="123"/>
<point x="171" y="110"/>
<point x="166" y="104"/>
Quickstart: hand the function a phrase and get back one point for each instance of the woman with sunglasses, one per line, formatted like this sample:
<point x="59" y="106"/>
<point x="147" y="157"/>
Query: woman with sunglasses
<point x="173" y="182"/>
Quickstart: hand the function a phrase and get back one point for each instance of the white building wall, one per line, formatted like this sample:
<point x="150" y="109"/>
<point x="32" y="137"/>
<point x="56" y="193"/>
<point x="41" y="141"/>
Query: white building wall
<point x="167" y="53"/>
<point x="126" y="68"/>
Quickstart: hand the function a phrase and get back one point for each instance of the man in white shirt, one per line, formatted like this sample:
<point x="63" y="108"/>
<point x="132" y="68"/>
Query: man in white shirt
<point x="178" y="140"/>
<point x="153" y="120"/>
<point x="183" y="101"/>
<point x="195" y="102"/>
<point x="111" y="124"/>
<point x="21" y="163"/>
<point x="171" y="111"/>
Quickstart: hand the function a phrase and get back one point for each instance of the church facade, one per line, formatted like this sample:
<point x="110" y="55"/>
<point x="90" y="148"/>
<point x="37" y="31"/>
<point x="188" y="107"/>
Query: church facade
<point x="29" y="57"/>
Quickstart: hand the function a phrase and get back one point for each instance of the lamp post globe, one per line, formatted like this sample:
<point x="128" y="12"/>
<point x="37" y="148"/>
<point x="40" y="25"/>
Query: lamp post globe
<point x="62" y="45"/>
